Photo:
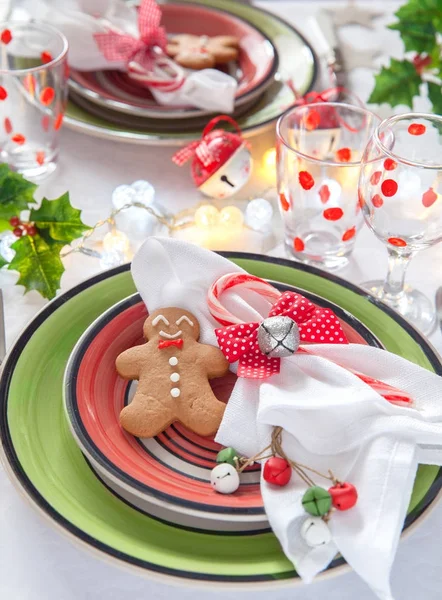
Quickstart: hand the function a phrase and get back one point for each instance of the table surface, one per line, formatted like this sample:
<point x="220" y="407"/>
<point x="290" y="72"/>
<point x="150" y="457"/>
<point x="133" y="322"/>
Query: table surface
<point x="37" y="562"/>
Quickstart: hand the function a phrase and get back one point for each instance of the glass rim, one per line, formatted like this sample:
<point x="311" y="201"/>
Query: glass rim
<point x="394" y="119"/>
<point x="330" y="163"/>
<point x="42" y="26"/>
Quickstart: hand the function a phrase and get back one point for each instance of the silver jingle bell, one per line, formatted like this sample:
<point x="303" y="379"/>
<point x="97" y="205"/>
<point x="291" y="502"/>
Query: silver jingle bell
<point x="278" y="336"/>
<point x="315" y="532"/>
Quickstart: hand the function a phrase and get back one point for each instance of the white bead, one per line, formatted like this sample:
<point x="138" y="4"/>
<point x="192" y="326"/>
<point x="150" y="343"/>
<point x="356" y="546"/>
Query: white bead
<point x="175" y="392"/>
<point x="173" y="361"/>
<point x="175" y="377"/>
<point x="315" y="532"/>
<point x="224" y="479"/>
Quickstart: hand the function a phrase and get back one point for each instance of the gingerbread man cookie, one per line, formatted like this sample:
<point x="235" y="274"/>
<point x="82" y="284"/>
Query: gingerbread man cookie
<point x="202" y="52"/>
<point x="173" y="370"/>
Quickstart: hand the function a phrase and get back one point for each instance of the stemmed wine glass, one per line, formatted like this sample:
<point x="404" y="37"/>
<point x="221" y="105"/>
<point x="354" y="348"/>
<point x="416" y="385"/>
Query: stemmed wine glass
<point x="400" y="194"/>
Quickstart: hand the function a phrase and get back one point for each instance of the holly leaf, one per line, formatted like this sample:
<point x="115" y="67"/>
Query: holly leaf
<point x="39" y="265"/>
<point x="435" y="96"/>
<point x="60" y="219"/>
<point x="5" y="225"/>
<point x="396" y="84"/>
<point x="15" y="193"/>
<point x="418" y="23"/>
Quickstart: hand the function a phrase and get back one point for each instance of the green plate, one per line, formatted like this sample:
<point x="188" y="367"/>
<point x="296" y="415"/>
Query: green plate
<point x="44" y="460"/>
<point x="297" y="63"/>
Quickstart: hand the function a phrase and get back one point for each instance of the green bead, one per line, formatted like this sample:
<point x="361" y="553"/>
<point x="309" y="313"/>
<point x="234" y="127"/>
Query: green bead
<point x="317" y="501"/>
<point x="227" y="455"/>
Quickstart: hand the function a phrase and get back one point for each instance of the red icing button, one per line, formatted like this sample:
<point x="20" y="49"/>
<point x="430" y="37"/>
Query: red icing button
<point x="349" y="234"/>
<point x="389" y="164"/>
<point x="19" y="139"/>
<point x="277" y="471"/>
<point x="285" y="204"/>
<point x="40" y="157"/>
<point x="6" y="36"/>
<point x="343" y="155"/>
<point x="344" y="495"/>
<point x="3" y="93"/>
<point x="389" y="187"/>
<point x="399" y="242"/>
<point x="298" y="244"/>
<point x="58" y="121"/>
<point x="7" y="125"/>
<point x="47" y="96"/>
<point x="377" y="201"/>
<point x="429" y="198"/>
<point x="375" y="178"/>
<point x="312" y="120"/>
<point x="333" y="214"/>
<point x="46" y="57"/>
<point x="417" y="129"/>
<point x="306" y="180"/>
<point x="324" y="193"/>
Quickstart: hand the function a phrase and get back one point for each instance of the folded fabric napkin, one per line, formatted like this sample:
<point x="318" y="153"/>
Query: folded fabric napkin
<point x="107" y="34"/>
<point x="331" y="418"/>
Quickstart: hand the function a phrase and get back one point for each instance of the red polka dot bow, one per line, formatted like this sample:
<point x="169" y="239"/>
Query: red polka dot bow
<point x="239" y="342"/>
<point x="117" y="46"/>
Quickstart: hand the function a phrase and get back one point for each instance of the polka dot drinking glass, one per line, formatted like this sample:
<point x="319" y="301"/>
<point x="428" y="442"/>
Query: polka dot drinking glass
<point x="400" y="192"/>
<point x="319" y="149"/>
<point x="33" y="95"/>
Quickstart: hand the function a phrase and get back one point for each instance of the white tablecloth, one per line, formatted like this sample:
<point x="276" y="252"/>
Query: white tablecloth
<point x="39" y="563"/>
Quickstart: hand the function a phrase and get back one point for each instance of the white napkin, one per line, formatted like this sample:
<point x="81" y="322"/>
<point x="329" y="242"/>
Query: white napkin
<point x="79" y="20"/>
<point x="331" y="419"/>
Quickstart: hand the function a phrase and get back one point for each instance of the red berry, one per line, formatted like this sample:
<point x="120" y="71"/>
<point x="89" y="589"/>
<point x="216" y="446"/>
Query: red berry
<point x="429" y="198"/>
<point x="298" y="244"/>
<point x="343" y="155"/>
<point x="417" y="129"/>
<point x="14" y="221"/>
<point x="389" y="164"/>
<point x="333" y="214"/>
<point x="31" y="230"/>
<point x="6" y="36"/>
<point x="349" y="234"/>
<point x="344" y="495"/>
<point x="324" y="193"/>
<point x="285" y="204"/>
<point x="389" y="187"/>
<point x="277" y="471"/>
<point x="377" y="201"/>
<point x="18" y="232"/>
<point x="306" y="180"/>
<point x="375" y="178"/>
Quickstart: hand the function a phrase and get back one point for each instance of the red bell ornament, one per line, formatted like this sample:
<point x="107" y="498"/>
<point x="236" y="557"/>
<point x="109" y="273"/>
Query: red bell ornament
<point x="344" y="495"/>
<point x="221" y="160"/>
<point x="277" y="471"/>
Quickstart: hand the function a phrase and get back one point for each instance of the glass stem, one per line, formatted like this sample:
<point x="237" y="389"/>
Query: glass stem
<point x="394" y="283"/>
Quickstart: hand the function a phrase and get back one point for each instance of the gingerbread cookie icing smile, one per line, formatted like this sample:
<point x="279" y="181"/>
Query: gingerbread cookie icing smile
<point x="173" y="370"/>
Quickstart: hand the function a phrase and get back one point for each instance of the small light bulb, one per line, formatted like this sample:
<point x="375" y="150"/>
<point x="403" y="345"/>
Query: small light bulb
<point x="206" y="216"/>
<point x="259" y="213"/>
<point x="269" y="159"/>
<point x="231" y="216"/>
<point x="117" y="241"/>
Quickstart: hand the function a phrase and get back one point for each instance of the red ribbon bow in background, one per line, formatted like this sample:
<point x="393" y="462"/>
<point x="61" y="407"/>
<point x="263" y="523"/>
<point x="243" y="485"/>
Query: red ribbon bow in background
<point x="118" y="46"/>
<point x="240" y="342"/>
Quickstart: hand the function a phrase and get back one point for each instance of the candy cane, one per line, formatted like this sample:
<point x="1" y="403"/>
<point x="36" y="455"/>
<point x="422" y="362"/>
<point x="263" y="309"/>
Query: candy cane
<point x="229" y="281"/>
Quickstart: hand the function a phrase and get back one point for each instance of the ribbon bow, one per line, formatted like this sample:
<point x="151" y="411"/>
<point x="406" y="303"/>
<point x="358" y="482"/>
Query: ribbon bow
<point x="117" y="46"/>
<point x="240" y="342"/>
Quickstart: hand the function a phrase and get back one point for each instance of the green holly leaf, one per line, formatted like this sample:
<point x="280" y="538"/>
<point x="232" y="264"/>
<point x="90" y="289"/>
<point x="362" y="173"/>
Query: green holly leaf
<point x="435" y="96"/>
<point x="15" y="193"/>
<point x="396" y="84"/>
<point x="418" y="23"/>
<point x="59" y="220"/>
<point x="39" y="265"/>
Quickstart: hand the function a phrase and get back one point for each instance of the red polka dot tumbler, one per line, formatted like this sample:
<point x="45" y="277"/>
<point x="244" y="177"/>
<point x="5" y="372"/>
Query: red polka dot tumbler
<point x="400" y="192"/>
<point x="33" y="96"/>
<point x="319" y="149"/>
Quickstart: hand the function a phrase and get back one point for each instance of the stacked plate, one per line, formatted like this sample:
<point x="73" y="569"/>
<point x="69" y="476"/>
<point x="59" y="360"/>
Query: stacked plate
<point x="110" y="104"/>
<point x="148" y="503"/>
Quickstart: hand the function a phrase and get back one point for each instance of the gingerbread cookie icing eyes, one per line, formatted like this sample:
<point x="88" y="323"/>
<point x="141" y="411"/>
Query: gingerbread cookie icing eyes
<point x="171" y="336"/>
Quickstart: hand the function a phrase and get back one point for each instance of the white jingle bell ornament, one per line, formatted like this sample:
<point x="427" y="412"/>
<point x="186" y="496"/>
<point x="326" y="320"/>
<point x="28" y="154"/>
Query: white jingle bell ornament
<point x="224" y="478"/>
<point x="221" y="161"/>
<point x="315" y="532"/>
